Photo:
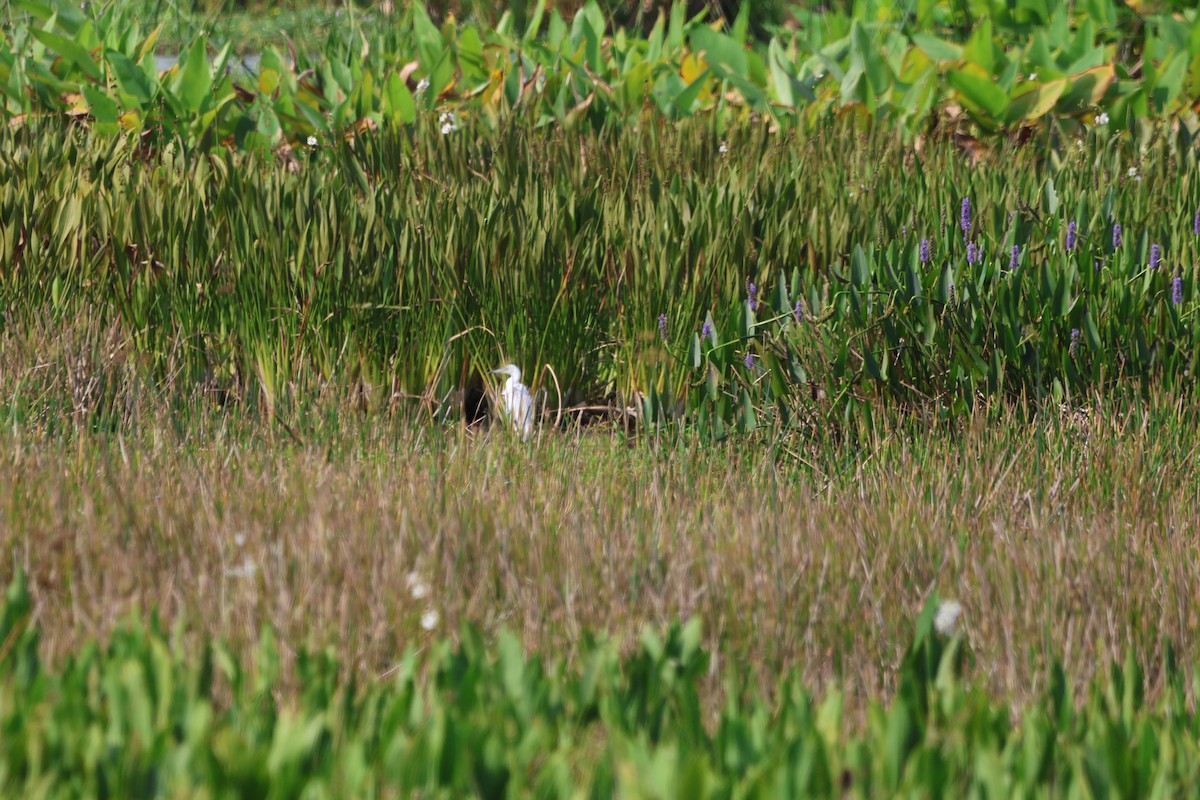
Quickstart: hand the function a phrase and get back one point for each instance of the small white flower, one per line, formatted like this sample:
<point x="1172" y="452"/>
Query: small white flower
<point x="1101" y="119"/>
<point x="429" y="619"/>
<point x="946" y="620"/>
<point x="1033" y="76"/>
<point x="448" y="122"/>
<point x="418" y="588"/>
<point x="246" y="569"/>
<point x="422" y="85"/>
<point x="723" y="149"/>
<point x="312" y="141"/>
<point x="239" y="539"/>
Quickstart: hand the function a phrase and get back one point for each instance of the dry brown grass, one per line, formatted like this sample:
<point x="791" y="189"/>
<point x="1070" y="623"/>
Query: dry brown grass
<point x="1071" y="538"/>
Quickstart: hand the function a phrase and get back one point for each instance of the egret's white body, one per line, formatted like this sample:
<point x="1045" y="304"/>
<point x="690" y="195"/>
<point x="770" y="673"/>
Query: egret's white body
<point x="516" y="402"/>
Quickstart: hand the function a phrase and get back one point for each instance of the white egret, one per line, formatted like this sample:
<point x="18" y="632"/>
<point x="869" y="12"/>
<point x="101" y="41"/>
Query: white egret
<point x="516" y="402"/>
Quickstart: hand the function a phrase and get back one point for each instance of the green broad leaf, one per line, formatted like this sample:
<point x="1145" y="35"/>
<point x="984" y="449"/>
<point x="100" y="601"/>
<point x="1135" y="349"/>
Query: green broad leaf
<point x="1169" y="85"/>
<point x="896" y="742"/>
<point x="719" y="50"/>
<point x="1095" y="344"/>
<point x="781" y="78"/>
<point x="936" y="48"/>
<point x="871" y="365"/>
<point x="945" y="281"/>
<point x="471" y="58"/>
<point x="979" y="92"/>
<point x="747" y="419"/>
<point x="783" y="302"/>
<point x="398" y="102"/>
<point x="981" y="48"/>
<point x="268" y="124"/>
<point x="1032" y="100"/>
<point x="1064" y="297"/>
<point x="860" y="267"/>
<point x="102" y="107"/>
<point x="73" y="52"/>
<point x="194" y="83"/>
<point x="1049" y="198"/>
<point x="865" y="57"/>
<point x="132" y="79"/>
<point x="695" y="359"/>
<point x="535" y="21"/>
<point x="916" y="290"/>
<point x="686" y="99"/>
<point x="293" y="742"/>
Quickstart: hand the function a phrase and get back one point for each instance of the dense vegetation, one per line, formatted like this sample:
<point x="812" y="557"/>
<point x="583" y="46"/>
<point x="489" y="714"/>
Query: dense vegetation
<point x="998" y="67"/>
<point x="763" y="280"/>
<point x="829" y="313"/>
<point x="134" y="718"/>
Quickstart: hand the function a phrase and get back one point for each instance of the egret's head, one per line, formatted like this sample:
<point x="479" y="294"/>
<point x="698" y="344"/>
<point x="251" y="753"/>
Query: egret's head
<point x="511" y="370"/>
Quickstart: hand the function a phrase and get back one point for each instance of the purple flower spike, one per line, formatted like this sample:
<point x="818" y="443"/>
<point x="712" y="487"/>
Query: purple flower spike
<point x="706" y="331"/>
<point x="965" y="218"/>
<point x="924" y="251"/>
<point x="751" y="295"/>
<point x="1016" y="253"/>
<point x="662" y="327"/>
<point x="1177" y="291"/>
<point x="974" y="256"/>
<point x="1116" y="235"/>
<point x="1196" y="223"/>
<point x="1074" y="342"/>
<point x="1155" y="256"/>
<point x="749" y="360"/>
<point x="1071" y="235"/>
<point x="798" y="311"/>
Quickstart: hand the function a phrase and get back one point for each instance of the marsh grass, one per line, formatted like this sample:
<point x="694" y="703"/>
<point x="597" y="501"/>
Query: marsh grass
<point x="1066" y="534"/>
